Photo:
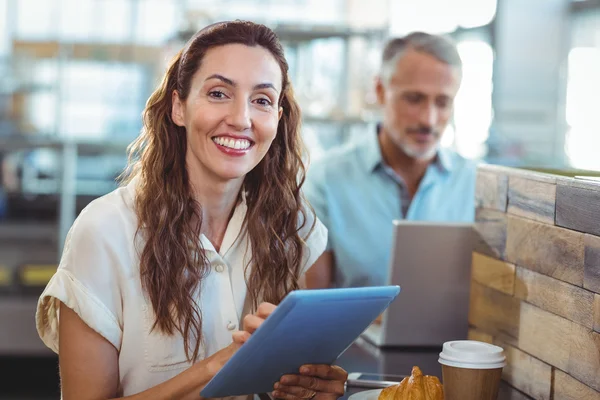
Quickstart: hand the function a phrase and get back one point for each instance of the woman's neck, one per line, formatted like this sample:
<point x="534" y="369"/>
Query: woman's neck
<point x="217" y="200"/>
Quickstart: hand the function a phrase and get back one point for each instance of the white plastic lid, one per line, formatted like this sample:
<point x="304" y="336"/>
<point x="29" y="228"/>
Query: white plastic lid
<point x="472" y="354"/>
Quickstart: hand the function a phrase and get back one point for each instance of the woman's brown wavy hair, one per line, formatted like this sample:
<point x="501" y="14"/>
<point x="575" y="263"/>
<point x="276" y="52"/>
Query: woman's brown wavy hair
<point x="172" y="262"/>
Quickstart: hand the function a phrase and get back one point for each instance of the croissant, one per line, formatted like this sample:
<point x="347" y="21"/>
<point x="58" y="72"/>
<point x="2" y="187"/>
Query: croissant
<point x="415" y="387"/>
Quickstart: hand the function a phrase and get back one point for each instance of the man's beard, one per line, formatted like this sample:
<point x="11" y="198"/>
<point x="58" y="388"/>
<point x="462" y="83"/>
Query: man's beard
<point x="417" y="153"/>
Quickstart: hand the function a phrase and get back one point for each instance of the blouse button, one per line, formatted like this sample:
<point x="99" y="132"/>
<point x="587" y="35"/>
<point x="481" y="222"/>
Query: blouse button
<point x="231" y="326"/>
<point x="219" y="268"/>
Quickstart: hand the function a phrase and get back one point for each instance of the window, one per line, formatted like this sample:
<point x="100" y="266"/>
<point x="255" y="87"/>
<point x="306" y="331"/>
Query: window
<point x="98" y="100"/>
<point x="473" y="104"/>
<point x="318" y="84"/>
<point x="96" y="20"/>
<point x="582" y="136"/>
<point x="440" y="16"/>
<point x="274" y="11"/>
<point x="157" y="21"/>
<point x="583" y="85"/>
<point x="101" y="100"/>
<point x="36" y="19"/>
<point x="113" y="21"/>
<point x="4" y="34"/>
<point x="76" y="19"/>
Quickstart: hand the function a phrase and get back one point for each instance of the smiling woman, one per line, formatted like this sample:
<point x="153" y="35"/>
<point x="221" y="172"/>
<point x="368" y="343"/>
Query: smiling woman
<point x="231" y="114"/>
<point x="161" y="280"/>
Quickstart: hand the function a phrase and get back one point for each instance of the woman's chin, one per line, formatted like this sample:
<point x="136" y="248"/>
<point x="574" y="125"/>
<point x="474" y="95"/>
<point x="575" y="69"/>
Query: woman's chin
<point x="232" y="174"/>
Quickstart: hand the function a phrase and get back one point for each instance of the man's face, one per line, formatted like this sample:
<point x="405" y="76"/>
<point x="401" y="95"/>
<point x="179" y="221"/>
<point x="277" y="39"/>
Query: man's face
<point x="417" y="99"/>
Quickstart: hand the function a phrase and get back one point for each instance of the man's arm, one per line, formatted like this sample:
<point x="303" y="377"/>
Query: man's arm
<point x="320" y="275"/>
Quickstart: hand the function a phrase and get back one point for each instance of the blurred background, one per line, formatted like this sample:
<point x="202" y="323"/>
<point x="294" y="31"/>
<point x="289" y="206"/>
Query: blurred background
<point x="75" y="74"/>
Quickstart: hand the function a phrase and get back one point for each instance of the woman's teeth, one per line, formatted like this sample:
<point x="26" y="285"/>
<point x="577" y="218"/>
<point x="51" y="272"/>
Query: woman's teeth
<point x="237" y="144"/>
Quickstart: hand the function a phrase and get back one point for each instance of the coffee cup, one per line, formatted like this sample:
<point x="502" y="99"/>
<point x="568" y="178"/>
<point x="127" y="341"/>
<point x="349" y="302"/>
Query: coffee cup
<point x="471" y="370"/>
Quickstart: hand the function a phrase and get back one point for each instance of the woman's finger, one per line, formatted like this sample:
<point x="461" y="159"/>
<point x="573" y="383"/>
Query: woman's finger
<point x="324" y="371"/>
<point x="313" y="384"/>
<point x="296" y="391"/>
<point x="252" y="322"/>
<point x="283" y="395"/>
<point x="265" y="309"/>
<point x="240" y="337"/>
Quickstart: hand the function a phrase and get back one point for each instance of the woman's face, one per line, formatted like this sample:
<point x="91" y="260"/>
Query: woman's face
<point x="231" y="113"/>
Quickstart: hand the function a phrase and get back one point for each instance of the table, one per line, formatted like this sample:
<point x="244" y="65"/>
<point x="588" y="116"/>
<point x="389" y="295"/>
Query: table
<point x="364" y="357"/>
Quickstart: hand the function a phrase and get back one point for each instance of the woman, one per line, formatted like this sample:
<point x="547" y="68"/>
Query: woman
<point x="156" y="276"/>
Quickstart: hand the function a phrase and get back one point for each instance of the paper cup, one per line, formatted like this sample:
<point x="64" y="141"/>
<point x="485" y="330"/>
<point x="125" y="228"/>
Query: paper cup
<point x="471" y="370"/>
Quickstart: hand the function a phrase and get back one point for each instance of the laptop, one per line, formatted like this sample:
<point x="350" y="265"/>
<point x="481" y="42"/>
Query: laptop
<point x="431" y="262"/>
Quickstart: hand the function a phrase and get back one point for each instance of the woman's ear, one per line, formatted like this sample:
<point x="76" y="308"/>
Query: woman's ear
<point x="178" y="110"/>
<point x="280" y="113"/>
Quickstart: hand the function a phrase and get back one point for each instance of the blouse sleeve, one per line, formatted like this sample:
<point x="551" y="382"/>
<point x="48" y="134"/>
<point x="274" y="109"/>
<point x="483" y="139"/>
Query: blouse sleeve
<point x="87" y="279"/>
<point x="315" y="240"/>
<point x="314" y="190"/>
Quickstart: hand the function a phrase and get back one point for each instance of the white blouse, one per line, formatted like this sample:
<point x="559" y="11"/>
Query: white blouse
<point x="98" y="277"/>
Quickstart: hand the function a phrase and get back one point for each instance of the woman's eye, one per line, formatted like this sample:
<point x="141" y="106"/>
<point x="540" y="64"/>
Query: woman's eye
<point x="263" y="102"/>
<point x="216" y="94"/>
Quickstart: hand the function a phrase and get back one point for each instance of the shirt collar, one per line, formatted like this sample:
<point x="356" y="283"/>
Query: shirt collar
<point x="233" y="230"/>
<point x="234" y="227"/>
<point x="443" y="160"/>
<point x="371" y="151"/>
<point x="373" y="159"/>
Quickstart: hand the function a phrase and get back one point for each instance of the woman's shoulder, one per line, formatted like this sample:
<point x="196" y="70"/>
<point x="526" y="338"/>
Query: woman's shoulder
<point x="311" y="227"/>
<point x="313" y="233"/>
<point x="110" y="215"/>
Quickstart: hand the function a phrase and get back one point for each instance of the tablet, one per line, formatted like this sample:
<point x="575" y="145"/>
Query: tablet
<point x="308" y="327"/>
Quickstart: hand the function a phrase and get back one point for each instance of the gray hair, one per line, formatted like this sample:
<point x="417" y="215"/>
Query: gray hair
<point x="437" y="46"/>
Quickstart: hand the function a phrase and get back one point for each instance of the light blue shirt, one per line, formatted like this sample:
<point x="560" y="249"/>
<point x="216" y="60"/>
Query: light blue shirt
<point x="357" y="197"/>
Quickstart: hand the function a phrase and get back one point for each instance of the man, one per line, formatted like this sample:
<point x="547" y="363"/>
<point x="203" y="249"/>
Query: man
<point x="397" y="171"/>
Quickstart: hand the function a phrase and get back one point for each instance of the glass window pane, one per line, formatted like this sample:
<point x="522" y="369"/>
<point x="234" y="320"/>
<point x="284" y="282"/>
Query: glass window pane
<point x="318" y="11"/>
<point x="101" y="100"/>
<point x="473" y="104"/>
<point x="474" y="13"/>
<point x="113" y="21"/>
<point x="157" y="21"/>
<point x="96" y="20"/>
<point x="76" y="19"/>
<point x="4" y="36"/>
<point x="36" y="19"/>
<point x="84" y="121"/>
<point x="372" y="14"/>
<point x="317" y="81"/>
<point x="41" y="104"/>
<point x="83" y="81"/>
<point x="124" y="84"/>
<point x="434" y="16"/>
<point x="439" y="16"/>
<point x="275" y="11"/>
<point x="583" y="85"/>
<point x="41" y="112"/>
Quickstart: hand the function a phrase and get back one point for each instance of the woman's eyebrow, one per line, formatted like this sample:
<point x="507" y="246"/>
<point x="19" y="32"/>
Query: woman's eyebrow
<point x="221" y="78"/>
<point x="231" y="82"/>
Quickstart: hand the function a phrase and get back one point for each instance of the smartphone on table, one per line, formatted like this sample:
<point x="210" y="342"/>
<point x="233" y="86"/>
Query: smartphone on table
<point x="367" y="380"/>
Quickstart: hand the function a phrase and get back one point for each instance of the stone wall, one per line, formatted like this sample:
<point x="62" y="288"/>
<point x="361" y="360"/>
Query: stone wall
<point x="536" y="280"/>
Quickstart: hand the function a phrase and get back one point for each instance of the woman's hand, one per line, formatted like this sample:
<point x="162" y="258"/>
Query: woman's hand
<point x="252" y="322"/>
<point x="215" y="362"/>
<point x="319" y="382"/>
